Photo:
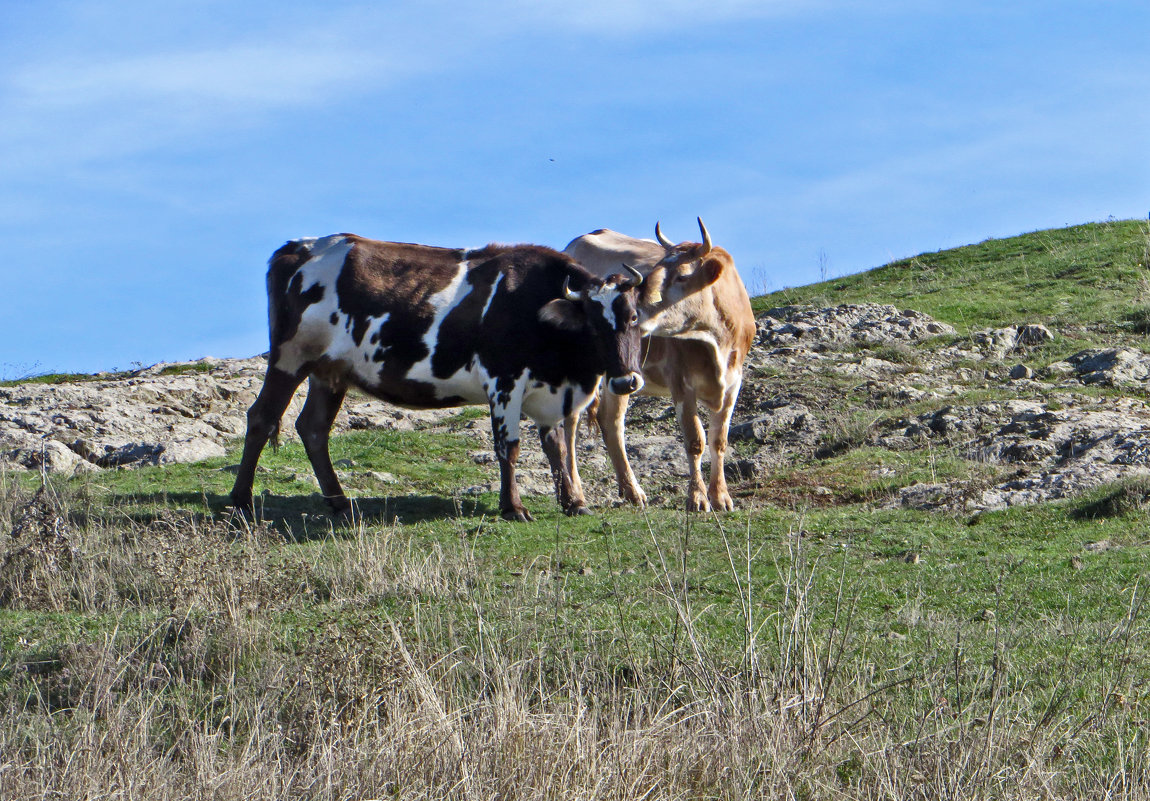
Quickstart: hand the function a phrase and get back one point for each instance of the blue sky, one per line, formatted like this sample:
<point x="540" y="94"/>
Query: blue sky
<point x="153" y="155"/>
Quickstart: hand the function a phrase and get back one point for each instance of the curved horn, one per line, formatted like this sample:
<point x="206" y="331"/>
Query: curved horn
<point x="664" y="241"/>
<point x="574" y="297"/>
<point x="706" y="237"/>
<point x="636" y="276"/>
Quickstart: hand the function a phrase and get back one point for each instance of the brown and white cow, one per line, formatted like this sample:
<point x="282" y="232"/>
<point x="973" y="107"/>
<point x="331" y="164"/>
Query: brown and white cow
<point x="698" y="327"/>
<point x="523" y="329"/>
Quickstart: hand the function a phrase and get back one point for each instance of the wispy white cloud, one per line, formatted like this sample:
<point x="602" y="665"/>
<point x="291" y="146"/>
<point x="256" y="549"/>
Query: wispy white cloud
<point x="614" y="17"/>
<point x="251" y="73"/>
<point x="63" y="112"/>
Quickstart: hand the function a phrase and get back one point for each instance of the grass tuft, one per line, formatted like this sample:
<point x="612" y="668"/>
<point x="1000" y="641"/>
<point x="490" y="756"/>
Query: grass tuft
<point x="1123" y="499"/>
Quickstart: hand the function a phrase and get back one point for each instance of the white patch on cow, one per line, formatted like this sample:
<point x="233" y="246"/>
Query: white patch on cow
<point x="505" y="411"/>
<point x="491" y="297"/>
<point x="605" y="297"/>
<point x="316" y="336"/>
<point x="546" y="407"/>
<point x="466" y="382"/>
<point x="366" y="369"/>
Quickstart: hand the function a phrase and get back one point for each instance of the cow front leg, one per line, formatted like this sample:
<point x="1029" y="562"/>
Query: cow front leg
<point x="554" y="447"/>
<point x="612" y="409"/>
<point x="505" y="429"/>
<point x="686" y="410"/>
<point x="717" y="429"/>
<point x="263" y="423"/>
<point x="314" y="426"/>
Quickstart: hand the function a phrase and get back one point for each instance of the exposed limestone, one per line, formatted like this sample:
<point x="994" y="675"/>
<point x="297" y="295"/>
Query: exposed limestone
<point x="164" y="414"/>
<point x="1112" y="367"/>
<point x="999" y="342"/>
<point x="868" y="322"/>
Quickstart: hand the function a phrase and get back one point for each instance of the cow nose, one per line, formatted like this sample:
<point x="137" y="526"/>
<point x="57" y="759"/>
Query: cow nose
<point x="625" y="385"/>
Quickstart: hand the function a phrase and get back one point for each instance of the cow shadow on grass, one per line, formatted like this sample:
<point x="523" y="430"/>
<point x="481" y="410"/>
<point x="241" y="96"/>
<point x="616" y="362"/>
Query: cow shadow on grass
<point x="306" y="517"/>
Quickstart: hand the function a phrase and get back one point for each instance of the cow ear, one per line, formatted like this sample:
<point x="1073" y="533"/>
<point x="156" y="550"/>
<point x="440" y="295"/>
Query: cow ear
<point x="651" y="290"/>
<point x="710" y="270"/>
<point x="562" y="314"/>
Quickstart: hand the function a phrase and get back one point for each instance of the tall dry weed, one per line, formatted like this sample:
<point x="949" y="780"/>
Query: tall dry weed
<point x="384" y="690"/>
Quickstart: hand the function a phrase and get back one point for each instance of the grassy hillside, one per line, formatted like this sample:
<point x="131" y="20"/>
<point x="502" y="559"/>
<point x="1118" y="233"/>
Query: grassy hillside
<point x="815" y="643"/>
<point x="1094" y="276"/>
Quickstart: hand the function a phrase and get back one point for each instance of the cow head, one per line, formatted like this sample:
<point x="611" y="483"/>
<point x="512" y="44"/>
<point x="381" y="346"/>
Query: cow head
<point x="667" y="300"/>
<point x="607" y="312"/>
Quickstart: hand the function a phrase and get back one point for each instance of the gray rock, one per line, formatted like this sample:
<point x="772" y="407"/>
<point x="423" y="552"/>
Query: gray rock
<point x="162" y="414"/>
<point x="1111" y="367"/>
<point x="868" y="322"/>
<point x="998" y="342"/>
<point x="1020" y="371"/>
<point x="767" y="427"/>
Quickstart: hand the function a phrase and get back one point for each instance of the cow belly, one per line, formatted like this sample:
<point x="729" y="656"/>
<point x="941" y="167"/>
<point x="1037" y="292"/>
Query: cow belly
<point x="435" y="394"/>
<point x="548" y="405"/>
<point x="683" y="363"/>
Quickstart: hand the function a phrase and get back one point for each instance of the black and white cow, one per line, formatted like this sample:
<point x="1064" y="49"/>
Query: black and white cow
<point x="523" y="329"/>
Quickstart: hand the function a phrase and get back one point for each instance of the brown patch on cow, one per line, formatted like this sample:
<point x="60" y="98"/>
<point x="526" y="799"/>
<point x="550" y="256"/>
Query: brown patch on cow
<point x="397" y="279"/>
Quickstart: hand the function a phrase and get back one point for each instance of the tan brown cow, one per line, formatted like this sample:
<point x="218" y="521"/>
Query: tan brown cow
<point x="697" y="315"/>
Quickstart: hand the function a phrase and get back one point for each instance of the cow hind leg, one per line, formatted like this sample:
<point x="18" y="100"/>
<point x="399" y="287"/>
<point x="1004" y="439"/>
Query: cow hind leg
<point x="263" y="423"/>
<point x="554" y="447"/>
<point x="314" y="427"/>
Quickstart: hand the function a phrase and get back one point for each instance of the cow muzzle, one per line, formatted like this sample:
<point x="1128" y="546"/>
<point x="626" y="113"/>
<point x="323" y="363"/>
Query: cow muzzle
<point x="625" y="385"/>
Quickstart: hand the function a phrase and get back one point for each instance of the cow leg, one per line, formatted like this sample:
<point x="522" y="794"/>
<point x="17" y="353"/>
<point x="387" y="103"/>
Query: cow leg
<point x="263" y="423"/>
<point x="314" y="427"/>
<point x="612" y="408"/>
<point x="686" y="410"/>
<point x="570" y="431"/>
<point x="505" y="412"/>
<point x="554" y="446"/>
<point x="717" y="432"/>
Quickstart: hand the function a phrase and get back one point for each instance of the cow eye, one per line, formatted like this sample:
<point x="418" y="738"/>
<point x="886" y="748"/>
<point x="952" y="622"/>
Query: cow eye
<point x="634" y="319"/>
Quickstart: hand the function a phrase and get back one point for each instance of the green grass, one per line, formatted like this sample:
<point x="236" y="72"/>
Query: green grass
<point x="871" y="614"/>
<point x="1083" y="276"/>
<point x="818" y="642"/>
<point x="78" y="378"/>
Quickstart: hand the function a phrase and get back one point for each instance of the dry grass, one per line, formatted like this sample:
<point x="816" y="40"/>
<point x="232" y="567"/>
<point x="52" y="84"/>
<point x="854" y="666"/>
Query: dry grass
<point x="232" y="666"/>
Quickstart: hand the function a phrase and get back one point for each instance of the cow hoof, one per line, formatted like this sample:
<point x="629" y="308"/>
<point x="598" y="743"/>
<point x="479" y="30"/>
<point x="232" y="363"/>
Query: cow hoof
<point x="698" y="505"/>
<point x="579" y="509"/>
<point x="243" y="505"/>
<point x="634" y="496"/>
<point x="722" y="504"/>
<point x="340" y="507"/>
<point x="520" y="515"/>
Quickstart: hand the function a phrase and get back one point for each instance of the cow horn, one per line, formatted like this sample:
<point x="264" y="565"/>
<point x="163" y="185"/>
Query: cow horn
<point x="706" y="237"/>
<point x="574" y="297"/>
<point x="636" y="276"/>
<point x="664" y="241"/>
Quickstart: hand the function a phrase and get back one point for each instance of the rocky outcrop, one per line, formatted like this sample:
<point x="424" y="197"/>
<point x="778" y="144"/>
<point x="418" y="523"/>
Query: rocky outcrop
<point x="164" y="414"/>
<point x="999" y="342"/>
<point x="809" y="326"/>
<point x="1110" y="368"/>
<point x="818" y="382"/>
